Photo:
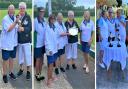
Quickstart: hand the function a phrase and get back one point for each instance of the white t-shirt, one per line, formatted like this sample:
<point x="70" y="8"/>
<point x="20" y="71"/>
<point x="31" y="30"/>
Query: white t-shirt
<point x="87" y="30"/>
<point x="8" y="38"/>
<point x="40" y="30"/>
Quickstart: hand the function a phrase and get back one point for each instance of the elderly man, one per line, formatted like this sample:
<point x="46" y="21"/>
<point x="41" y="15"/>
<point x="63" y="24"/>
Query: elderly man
<point x="24" y="40"/>
<point x="71" y="47"/>
<point x="9" y="42"/>
<point x="87" y="33"/>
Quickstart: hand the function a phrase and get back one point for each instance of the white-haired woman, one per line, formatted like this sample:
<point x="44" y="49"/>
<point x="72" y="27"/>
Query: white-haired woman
<point x="71" y="47"/>
<point x="24" y="40"/>
<point x="62" y="41"/>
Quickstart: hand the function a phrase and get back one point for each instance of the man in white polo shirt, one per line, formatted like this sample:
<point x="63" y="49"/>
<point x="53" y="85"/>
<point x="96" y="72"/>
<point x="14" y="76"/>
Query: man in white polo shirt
<point x="9" y="42"/>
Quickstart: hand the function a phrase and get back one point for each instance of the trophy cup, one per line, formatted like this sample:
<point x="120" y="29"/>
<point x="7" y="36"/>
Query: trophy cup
<point x="118" y="38"/>
<point x="110" y="40"/>
<point x="19" y="22"/>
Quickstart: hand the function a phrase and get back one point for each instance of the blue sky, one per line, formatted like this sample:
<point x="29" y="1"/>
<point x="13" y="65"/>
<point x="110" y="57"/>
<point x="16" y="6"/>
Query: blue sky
<point x="86" y="3"/>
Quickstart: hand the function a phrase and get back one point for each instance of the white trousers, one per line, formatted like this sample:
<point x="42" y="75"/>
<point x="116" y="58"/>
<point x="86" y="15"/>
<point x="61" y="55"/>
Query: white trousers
<point x="24" y="54"/>
<point x="71" y="51"/>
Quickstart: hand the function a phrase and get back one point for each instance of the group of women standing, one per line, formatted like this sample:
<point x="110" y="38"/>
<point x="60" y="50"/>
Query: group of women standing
<point x="108" y="25"/>
<point x="54" y="39"/>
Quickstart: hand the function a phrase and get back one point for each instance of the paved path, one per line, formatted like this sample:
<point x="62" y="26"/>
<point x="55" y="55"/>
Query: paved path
<point x="20" y="83"/>
<point x="116" y="81"/>
<point x="72" y="79"/>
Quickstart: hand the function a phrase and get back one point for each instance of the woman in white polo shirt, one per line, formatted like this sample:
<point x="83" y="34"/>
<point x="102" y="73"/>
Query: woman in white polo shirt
<point x="51" y="47"/>
<point x="87" y="33"/>
<point x="39" y="49"/>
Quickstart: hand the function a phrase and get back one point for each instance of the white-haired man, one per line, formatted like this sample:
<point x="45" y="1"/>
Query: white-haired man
<point x="24" y="40"/>
<point x="71" y="47"/>
<point x="9" y="42"/>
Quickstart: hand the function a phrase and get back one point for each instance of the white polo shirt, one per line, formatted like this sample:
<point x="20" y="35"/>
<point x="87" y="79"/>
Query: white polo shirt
<point x="40" y="30"/>
<point x="62" y="40"/>
<point x="8" y="39"/>
<point x="86" y="30"/>
<point x="51" y="41"/>
<point x="104" y="28"/>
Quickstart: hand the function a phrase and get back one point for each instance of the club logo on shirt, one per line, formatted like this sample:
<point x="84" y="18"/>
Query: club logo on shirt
<point x="25" y="22"/>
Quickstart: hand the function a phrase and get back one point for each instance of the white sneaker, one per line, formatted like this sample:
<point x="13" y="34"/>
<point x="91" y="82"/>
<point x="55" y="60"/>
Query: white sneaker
<point x="84" y="67"/>
<point x="102" y="65"/>
<point x="87" y="69"/>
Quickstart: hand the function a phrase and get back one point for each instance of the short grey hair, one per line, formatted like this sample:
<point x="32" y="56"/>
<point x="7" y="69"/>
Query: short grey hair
<point x="87" y="12"/>
<point x="59" y="14"/>
<point x="11" y="6"/>
<point x="22" y="4"/>
<point x="70" y="12"/>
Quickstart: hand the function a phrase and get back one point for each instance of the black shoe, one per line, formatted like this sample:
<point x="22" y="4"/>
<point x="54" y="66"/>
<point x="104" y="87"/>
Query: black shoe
<point x="5" y="79"/>
<point x="12" y="76"/>
<point x="56" y="71"/>
<point x="39" y="78"/>
<point x="42" y="77"/>
<point x="62" y="69"/>
<point x="74" y="66"/>
<point x="20" y="73"/>
<point x="28" y="75"/>
<point x="67" y="67"/>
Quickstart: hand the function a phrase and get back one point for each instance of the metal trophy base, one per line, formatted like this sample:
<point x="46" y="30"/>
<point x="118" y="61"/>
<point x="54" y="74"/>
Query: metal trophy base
<point x="118" y="45"/>
<point x="110" y="45"/>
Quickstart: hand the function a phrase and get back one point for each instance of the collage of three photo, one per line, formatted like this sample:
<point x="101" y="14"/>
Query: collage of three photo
<point x="63" y="44"/>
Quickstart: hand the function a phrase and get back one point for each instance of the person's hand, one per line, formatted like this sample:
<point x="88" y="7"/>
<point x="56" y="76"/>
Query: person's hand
<point x="90" y="41"/>
<point x="17" y="20"/>
<point x="50" y="53"/>
<point x="100" y="38"/>
<point x="21" y="29"/>
<point x="68" y="34"/>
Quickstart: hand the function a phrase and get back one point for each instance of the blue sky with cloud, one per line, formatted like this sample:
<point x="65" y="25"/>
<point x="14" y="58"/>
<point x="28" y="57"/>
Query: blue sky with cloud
<point x="85" y="3"/>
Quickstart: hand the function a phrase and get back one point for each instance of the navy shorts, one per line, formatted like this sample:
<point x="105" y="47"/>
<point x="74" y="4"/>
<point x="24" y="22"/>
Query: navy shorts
<point x="61" y="52"/>
<point x="51" y="59"/>
<point x="38" y="52"/>
<point x="6" y="54"/>
<point x="85" y="47"/>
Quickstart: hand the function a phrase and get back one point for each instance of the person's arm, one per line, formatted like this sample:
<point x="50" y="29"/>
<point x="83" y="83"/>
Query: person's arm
<point x="92" y="33"/>
<point x="8" y="27"/>
<point x="123" y="23"/>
